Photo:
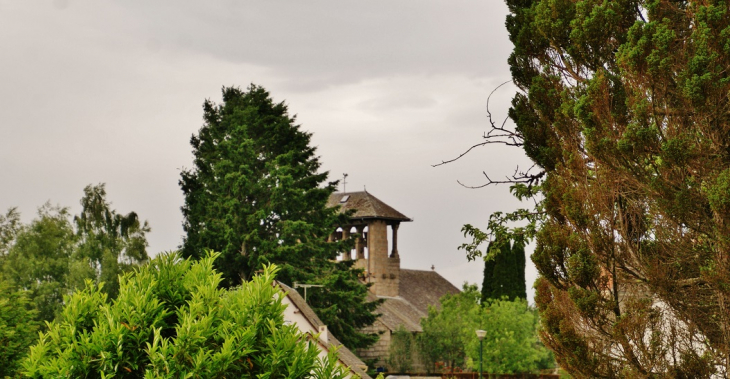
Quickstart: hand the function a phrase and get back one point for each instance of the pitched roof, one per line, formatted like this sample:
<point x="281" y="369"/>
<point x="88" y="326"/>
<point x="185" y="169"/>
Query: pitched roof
<point x="366" y="206"/>
<point x="346" y="357"/>
<point x="396" y="311"/>
<point x="418" y="290"/>
<point x="424" y="288"/>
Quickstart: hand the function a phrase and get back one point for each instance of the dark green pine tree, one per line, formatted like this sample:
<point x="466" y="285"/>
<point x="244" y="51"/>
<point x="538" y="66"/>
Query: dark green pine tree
<point x="504" y="273"/>
<point x="255" y="195"/>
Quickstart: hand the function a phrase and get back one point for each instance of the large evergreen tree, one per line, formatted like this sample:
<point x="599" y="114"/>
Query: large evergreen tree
<point x="624" y="108"/>
<point x="255" y="195"/>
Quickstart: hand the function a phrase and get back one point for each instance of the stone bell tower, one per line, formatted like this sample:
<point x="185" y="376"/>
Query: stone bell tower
<point x="373" y="253"/>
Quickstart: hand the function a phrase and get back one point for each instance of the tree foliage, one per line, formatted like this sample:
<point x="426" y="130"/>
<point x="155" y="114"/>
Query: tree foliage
<point x="18" y="328"/>
<point x="53" y="254"/>
<point x="511" y="344"/>
<point x="255" y="195"/>
<point x="504" y="272"/>
<point x="624" y="109"/>
<point x="109" y="243"/>
<point x="9" y="226"/>
<point x="401" y="350"/>
<point x="446" y="330"/>
<point x="171" y="320"/>
<point x="39" y="259"/>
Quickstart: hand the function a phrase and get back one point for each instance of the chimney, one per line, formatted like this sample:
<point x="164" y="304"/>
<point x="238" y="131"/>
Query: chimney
<point x="324" y="334"/>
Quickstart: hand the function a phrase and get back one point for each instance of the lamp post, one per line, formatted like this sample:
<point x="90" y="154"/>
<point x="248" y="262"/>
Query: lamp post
<point x="480" y="334"/>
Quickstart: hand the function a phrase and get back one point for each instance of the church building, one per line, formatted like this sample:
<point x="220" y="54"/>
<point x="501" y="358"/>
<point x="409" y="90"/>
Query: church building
<point x="407" y="293"/>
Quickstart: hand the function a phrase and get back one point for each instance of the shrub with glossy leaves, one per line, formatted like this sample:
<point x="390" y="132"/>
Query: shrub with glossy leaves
<point x="171" y="320"/>
<point x="18" y="328"/>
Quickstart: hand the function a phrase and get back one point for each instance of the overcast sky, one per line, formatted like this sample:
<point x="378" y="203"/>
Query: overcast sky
<point x="111" y="91"/>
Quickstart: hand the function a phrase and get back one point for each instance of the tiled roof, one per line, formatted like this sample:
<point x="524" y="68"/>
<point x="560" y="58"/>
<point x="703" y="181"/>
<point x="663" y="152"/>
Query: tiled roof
<point x="424" y="288"/>
<point x="366" y="206"/>
<point x="395" y="311"/>
<point x="344" y="354"/>
<point x="418" y="290"/>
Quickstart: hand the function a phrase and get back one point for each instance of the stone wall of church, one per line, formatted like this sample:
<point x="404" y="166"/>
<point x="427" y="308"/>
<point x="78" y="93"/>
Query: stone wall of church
<point x="379" y="351"/>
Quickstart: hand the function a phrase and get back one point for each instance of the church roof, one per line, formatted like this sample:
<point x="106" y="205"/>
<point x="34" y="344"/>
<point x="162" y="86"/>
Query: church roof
<point x="396" y="311"/>
<point x="366" y="206"/>
<point x="418" y="290"/>
<point x="423" y="288"/>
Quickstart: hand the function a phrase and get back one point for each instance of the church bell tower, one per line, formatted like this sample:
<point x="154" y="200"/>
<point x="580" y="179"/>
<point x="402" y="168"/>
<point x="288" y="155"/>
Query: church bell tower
<point x="373" y="253"/>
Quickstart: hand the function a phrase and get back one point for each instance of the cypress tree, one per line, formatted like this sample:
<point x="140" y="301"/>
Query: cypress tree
<point x="520" y="284"/>
<point x="488" y="281"/>
<point x="504" y="272"/>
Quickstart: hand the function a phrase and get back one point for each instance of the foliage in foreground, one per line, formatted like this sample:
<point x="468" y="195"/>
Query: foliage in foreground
<point x="18" y="328"/>
<point x="171" y="320"/>
<point x="511" y="344"/>
<point x="624" y="109"/>
<point x="255" y="195"/>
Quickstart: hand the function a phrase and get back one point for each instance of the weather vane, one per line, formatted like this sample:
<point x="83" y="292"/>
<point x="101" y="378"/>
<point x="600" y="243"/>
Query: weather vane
<point x="344" y="183"/>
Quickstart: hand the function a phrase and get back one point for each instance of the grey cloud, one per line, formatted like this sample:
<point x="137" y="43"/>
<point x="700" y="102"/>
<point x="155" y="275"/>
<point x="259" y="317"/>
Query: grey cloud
<point x="407" y="101"/>
<point x="331" y="42"/>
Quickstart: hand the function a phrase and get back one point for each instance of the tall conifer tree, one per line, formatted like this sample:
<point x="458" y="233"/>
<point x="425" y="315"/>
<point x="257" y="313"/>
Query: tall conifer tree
<point x="624" y="108"/>
<point x="488" y="281"/>
<point x="255" y="194"/>
<point x="504" y="272"/>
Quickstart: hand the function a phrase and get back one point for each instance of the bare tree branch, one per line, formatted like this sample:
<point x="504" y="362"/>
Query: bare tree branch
<point x="522" y="177"/>
<point x="496" y="135"/>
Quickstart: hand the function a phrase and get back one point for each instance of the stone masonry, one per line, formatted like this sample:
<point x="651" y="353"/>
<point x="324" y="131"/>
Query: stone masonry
<point x="384" y="270"/>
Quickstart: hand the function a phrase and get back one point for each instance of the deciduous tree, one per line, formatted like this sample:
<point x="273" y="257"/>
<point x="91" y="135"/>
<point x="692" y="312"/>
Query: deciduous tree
<point x="9" y="226"/>
<point x="401" y="350"/>
<point x="511" y="344"/>
<point x="109" y="243"/>
<point x="39" y="259"/>
<point x="446" y="330"/>
<point x="54" y="255"/>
